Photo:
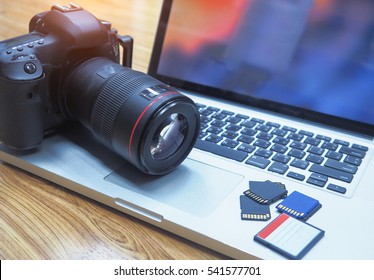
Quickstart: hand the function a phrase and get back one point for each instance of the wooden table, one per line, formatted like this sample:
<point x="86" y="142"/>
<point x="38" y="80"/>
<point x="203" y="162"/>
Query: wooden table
<point x="41" y="220"/>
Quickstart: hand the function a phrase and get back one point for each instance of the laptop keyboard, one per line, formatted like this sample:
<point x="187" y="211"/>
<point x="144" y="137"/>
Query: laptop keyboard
<point x="285" y="150"/>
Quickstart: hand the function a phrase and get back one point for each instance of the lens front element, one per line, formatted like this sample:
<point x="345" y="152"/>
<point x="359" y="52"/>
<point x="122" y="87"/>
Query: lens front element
<point x="169" y="136"/>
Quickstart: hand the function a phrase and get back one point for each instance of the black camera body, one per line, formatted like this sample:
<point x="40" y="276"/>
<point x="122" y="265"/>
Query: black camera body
<point x="68" y="68"/>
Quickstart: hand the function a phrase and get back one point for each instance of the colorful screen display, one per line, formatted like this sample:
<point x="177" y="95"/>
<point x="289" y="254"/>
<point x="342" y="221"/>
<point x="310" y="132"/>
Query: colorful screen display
<point x="313" y="54"/>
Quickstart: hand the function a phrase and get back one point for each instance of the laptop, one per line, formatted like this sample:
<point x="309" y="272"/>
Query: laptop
<point x="284" y="89"/>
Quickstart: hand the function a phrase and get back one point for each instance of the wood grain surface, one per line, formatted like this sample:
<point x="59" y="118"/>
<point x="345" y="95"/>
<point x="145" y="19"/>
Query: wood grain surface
<point x="40" y="220"/>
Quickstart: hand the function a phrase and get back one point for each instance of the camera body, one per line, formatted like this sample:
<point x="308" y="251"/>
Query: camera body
<point x="33" y="69"/>
<point x="68" y="68"/>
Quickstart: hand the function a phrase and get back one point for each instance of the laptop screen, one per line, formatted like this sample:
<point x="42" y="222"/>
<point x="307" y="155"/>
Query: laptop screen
<point x="308" y="58"/>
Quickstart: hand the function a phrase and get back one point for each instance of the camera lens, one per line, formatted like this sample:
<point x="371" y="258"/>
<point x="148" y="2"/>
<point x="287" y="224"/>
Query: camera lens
<point x="150" y="124"/>
<point x="169" y="136"/>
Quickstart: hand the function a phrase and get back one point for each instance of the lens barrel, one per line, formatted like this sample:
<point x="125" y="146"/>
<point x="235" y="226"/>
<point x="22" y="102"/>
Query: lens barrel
<point x="150" y="124"/>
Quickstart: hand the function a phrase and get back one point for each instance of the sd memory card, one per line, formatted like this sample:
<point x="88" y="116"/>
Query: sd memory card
<point x="299" y="206"/>
<point x="251" y="210"/>
<point x="265" y="192"/>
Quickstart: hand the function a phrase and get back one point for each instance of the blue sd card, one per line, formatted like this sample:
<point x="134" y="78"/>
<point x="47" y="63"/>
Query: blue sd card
<point x="251" y="210"/>
<point x="299" y="206"/>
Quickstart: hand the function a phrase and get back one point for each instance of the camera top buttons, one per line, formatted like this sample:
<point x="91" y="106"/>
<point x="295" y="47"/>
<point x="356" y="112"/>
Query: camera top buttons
<point x="28" y="45"/>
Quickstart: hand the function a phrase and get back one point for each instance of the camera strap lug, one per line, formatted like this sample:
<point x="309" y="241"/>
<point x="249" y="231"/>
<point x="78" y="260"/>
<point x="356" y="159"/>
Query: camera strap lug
<point x="126" y="43"/>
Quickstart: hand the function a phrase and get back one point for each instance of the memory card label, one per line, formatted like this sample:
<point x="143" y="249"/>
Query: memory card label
<point x="289" y="236"/>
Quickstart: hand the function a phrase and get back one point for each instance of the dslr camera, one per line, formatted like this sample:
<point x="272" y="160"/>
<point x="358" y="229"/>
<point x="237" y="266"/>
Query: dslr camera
<point x="68" y="68"/>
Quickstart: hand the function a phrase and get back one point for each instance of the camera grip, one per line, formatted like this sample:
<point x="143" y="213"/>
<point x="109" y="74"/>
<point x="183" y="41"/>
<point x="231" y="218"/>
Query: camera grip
<point x="21" y="119"/>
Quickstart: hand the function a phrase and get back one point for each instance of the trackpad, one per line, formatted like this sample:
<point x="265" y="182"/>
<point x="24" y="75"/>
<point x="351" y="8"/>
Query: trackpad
<point x="193" y="187"/>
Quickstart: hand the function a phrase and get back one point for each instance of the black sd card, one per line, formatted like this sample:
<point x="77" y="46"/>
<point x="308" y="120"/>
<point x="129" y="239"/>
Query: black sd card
<point x="251" y="210"/>
<point x="265" y="192"/>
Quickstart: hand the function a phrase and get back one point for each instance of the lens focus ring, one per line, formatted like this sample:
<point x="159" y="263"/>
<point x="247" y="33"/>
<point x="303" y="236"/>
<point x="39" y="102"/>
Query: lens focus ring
<point x="112" y="98"/>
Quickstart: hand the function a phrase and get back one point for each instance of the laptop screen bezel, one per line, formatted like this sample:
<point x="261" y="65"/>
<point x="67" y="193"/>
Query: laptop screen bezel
<point x="281" y="108"/>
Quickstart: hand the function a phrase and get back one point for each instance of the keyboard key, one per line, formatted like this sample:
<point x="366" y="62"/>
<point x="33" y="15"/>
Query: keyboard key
<point x="323" y="137"/>
<point x="219" y="116"/>
<point x="273" y="124"/>
<point x="312" y="141"/>
<point x="298" y="145"/>
<point x="314" y="158"/>
<point x="316" y="182"/>
<point x="353" y="160"/>
<point x="337" y="188"/>
<point x="360" y="147"/>
<point x="281" y="158"/>
<point x="295" y="136"/>
<point x="264" y="136"/>
<point x="249" y="124"/>
<point x="233" y="127"/>
<point x="221" y="150"/>
<point x="213" y="138"/>
<point x="278" y="167"/>
<point x="330" y="146"/>
<point x="319" y="177"/>
<point x="258" y="161"/>
<point x="299" y="163"/>
<point x="263" y="128"/>
<point x="246" y="148"/>
<point x="331" y="172"/>
<point x="218" y="123"/>
<point x="214" y="130"/>
<point x="281" y="140"/>
<point x="262" y="143"/>
<point x="257" y="120"/>
<point x="205" y="119"/>
<point x="241" y="116"/>
<point x="230" y="143"/>
<point x="246" y="139"/>
<point x="263" y="153"/>
<point x="316" y="150"/>
<point x="296" y="176"/>
<point x="206" y="112"/>
<point x="279" y="132"/>
<point x="307" y="133"/>
<point x="249" y="131"/>
<point x="229" y="113"/>
<point x="297" y="153"/>
<point x="352" y="152"/>
<point x="215" y="109"/>
<point x="234" y="120"/>
<point x="334" y="155"/>
<point x="341" y="142"/>
<point x="279" y="148"/>
<point x="350" y="168"/>
<point x="289" y="128"/>
<point x="230" y="134"/>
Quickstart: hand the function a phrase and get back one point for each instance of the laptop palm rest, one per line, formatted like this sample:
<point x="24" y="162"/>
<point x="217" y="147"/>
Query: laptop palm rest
<point x="193" y="187"/>
<point x="73" y="159"/>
